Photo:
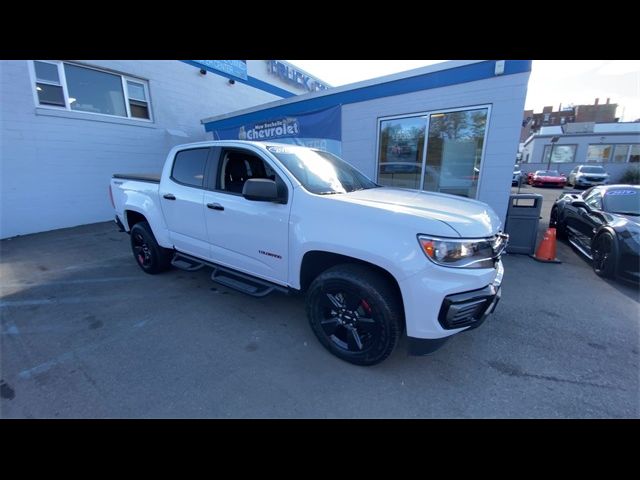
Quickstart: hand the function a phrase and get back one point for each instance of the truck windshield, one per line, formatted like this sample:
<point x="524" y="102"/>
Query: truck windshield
<point x="321" y="172"/>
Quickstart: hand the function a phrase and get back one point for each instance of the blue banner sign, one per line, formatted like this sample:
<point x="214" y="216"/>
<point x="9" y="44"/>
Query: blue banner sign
<point x="320" y="129"/>
<point x="236" y="68"/>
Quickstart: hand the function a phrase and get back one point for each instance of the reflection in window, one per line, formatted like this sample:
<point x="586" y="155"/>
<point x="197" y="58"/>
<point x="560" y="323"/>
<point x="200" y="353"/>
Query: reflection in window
<point x="401" y="152"/>
<point x="620" y="153"/>
<point x="561" y="153"/>
<point x="94" y="91"/>
<point x="454" y="152"/>
<point x="598" y="153"/>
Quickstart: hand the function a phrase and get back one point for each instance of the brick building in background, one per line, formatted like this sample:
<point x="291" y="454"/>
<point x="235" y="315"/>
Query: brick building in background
<point x="598" y="113"/>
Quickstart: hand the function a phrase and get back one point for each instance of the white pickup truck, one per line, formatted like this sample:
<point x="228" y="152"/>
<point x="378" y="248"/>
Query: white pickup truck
<point x="373" y="261"/>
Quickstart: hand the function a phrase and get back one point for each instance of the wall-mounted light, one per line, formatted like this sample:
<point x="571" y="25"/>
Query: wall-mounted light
<point x="203" y="71"/>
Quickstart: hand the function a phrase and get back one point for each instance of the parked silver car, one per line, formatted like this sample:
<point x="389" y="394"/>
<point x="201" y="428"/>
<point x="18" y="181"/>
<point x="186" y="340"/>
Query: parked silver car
<point x="587" y="176"/>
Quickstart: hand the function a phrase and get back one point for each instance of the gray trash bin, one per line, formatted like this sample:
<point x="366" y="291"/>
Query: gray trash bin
<point x="523" y="216"/>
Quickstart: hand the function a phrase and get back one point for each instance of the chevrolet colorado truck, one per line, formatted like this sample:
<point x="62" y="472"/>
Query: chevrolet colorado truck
<point x="373" y="261"/>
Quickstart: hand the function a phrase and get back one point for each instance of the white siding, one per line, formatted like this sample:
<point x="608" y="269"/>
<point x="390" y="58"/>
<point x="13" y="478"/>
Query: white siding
<point x="55" y="166"/>
<point x="506" y="95"/>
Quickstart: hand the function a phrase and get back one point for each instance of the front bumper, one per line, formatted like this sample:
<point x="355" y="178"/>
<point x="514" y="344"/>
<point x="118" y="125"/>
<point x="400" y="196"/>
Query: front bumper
<point x="468" y="309"/>
<point x="590" y="183"/>
<point x="447" y="301"/>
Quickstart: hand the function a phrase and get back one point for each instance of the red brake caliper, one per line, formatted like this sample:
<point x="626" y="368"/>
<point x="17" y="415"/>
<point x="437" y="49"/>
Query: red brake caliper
<point x="140" y="258"/>
<point x="366" y="306"/>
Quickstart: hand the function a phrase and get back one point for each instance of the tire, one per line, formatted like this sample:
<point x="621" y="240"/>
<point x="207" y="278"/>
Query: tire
<point x="561" y="232"/>
<point x="150" y="256"/>
<point x="355" y="313"/>
<point x="604" y="252"/>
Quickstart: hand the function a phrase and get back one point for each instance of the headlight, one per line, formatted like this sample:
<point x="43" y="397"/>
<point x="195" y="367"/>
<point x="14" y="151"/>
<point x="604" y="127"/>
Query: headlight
<point x="463" y="253"/>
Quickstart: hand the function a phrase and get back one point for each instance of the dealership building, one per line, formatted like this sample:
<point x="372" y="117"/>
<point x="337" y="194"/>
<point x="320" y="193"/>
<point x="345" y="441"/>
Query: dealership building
<point x="614" y="146"/>
<point x="67" y="126"/>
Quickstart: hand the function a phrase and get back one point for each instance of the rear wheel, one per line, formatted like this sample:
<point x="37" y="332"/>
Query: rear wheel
<point x="355" y="313"/>
<point x="561" y="232"/>
<point x="605" y="255"/>
<point x="151" y="257"/>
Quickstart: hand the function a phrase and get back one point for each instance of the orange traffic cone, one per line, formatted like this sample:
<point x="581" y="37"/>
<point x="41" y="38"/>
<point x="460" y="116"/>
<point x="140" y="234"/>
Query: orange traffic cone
<point x="547" y="250"/>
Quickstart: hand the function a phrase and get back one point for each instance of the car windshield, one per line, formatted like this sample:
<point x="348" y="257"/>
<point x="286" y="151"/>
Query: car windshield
<point x="321" y="172"/>
<point x="623" y="200"/>
<point x="592" y="170"/>
<point x="548" y="173"/>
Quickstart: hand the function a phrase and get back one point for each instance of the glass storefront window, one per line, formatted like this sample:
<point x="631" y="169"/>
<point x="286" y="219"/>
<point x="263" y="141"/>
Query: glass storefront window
<point x="401" y="152"/>
<point x="454" y="151"/>
<point x="561" y="153"/>
<point x="634" y="157"/>
<point x="620" y="153"/>
<point x="599" y="153"/>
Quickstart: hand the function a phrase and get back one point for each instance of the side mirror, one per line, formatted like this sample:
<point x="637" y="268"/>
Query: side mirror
<point x="580" y="204"/>
<point x="260" y="190"/>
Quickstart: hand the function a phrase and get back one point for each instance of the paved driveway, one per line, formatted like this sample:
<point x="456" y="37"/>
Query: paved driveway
<point x="85" y="333"/>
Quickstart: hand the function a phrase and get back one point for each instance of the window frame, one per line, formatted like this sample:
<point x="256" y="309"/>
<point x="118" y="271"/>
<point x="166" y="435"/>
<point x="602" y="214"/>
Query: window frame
<point x="427" y="114"/>
<point x="63" y="82"/>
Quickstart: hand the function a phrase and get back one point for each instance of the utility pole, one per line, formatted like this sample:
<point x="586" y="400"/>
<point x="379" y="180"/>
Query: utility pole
<point x="553" y="146"/>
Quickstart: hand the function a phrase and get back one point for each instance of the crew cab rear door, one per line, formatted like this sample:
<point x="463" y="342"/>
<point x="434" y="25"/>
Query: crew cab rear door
<point x="181" y="199"/>
<point x="249" y="236"/>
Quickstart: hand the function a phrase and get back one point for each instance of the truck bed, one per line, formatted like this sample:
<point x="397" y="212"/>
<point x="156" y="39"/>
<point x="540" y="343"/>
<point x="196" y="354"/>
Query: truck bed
<point x="140" y="177"/>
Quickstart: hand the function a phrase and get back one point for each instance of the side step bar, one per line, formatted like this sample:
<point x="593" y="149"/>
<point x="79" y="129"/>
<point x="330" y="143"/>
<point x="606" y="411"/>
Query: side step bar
<point x="241" y="282"/>
<point x="184" y="263"/>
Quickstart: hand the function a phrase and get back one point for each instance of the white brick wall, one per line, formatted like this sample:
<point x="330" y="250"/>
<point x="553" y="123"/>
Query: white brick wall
<point x="506" y="95"/>
<point x="54" y="170"/>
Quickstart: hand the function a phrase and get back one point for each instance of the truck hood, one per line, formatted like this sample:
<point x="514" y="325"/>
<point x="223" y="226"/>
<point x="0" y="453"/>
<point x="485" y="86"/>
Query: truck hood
<point x="469" y="218"/>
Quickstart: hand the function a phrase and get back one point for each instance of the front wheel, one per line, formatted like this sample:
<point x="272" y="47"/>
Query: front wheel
<point x="355" y="313"/>
<point x="151" y="257"/>
<point x="604" y="254"/>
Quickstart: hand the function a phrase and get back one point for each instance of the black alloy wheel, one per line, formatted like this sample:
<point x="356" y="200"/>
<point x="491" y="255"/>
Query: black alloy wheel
<point x="604" y="255"/>
<point x="561" y="232"/>
<point x="151" y="257"/>
<point x="355" y="314"/>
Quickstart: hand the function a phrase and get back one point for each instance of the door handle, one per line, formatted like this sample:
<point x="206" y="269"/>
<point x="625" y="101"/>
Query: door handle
<point x="215" y="206"/>
<point x="169" y="196"/>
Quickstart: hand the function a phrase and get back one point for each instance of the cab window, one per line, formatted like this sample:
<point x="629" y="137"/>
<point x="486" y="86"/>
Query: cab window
<point x="594" y="200"/>
<point x="237" y="166"/>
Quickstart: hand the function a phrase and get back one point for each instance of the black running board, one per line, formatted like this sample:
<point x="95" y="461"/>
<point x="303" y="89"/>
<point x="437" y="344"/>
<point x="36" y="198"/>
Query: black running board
<point x="242" y="283"/>
<point x="186" y="263"/>
<point x="233" y="279"/>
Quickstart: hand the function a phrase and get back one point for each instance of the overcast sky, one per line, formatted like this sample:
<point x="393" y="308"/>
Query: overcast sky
<point x="552" y="82"/>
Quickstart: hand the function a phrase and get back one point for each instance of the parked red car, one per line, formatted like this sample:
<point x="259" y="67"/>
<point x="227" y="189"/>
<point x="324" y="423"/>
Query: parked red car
<point x="547" y="178"/>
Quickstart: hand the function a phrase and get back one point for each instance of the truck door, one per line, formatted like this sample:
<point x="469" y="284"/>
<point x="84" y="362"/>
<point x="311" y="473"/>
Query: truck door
<point x="249" y="236"/>
<point x="181" y="196"/>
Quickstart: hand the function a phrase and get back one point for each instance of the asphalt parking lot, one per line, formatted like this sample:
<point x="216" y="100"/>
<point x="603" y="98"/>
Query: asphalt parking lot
<point x="86" y="334"/>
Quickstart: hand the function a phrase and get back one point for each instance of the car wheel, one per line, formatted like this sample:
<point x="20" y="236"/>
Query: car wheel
<point x="605" y="254"/>
<point x="355" y="313"/>
<point x="151" y="257"/>
<point x="561" y="232"/>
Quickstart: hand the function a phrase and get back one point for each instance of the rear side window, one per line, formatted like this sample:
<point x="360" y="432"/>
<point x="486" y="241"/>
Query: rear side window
<point x="188" y="167"/>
